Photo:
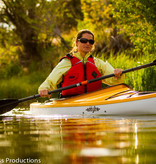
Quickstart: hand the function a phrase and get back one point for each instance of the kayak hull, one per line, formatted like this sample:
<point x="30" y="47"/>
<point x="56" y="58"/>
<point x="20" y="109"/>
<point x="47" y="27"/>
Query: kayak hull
<point x="115" y="100"/>
<point x="129" y="108"/>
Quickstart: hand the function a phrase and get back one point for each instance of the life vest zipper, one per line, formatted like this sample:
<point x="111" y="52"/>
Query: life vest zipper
<point x="85" y="76"/>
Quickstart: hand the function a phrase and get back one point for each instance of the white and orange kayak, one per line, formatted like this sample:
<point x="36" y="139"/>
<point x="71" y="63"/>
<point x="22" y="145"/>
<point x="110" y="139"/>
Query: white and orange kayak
<point x="115" y="100"/>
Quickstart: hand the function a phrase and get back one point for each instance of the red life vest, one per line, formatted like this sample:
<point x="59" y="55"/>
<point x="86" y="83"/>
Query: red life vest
<point x="78" y="73"/>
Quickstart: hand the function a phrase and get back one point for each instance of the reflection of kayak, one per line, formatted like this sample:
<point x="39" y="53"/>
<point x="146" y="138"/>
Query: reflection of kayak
<point x="114" y="100"/>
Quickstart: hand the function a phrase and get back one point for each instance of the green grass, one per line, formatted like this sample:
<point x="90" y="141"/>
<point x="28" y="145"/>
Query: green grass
<point x="140" y="80"/>
<point x="21" y="85"/>
<point x="17" y="87"/>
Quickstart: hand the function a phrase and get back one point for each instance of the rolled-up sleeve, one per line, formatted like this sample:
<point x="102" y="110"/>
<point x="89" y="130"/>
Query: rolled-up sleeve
<point x="105" y="69"/>
<point x="56" y="76"/>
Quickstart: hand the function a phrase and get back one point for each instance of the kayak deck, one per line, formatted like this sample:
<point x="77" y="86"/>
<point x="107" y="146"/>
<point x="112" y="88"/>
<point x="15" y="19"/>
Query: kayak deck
<point x="114" y="94"/>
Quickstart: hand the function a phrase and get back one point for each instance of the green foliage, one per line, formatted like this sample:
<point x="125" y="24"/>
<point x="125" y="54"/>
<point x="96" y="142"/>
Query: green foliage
<point x="141" y="80"/>
<point x="137" y="18"/>
<point x="36" y="23"/>
<point x="21" y="86"/>
<point x="13" y="69"/>
<point x="98" y="18"/>
<point x="9" y="63"/>
<point x="8" y="54"/>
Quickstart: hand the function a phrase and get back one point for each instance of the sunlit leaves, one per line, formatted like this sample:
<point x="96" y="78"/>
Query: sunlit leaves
<point x="136" y="18"/>
<point x="98" y="17"/>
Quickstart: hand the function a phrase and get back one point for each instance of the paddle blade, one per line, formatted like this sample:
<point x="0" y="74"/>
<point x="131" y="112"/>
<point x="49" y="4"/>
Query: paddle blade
<point x="7" y="104"/>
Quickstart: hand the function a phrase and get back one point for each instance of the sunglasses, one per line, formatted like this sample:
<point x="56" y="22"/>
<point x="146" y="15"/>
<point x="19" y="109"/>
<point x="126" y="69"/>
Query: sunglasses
<point x="84" y="40"/>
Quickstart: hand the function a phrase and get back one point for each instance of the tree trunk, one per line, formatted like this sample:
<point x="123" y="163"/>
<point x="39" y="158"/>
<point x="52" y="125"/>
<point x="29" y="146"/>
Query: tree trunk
<point x="26" y="28"/>
<point x="32" y="47"/>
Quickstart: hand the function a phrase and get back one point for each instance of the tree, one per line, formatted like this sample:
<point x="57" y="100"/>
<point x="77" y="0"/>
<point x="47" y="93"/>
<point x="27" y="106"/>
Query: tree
<point x="98" y="16"/>
<point x="36" y="22"/>
<point x="23" y="16"/>
<point x="137" y="18"/>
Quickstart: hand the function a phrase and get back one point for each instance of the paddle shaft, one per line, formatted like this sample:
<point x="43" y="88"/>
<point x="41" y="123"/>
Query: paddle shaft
<point x="17" y="101"/>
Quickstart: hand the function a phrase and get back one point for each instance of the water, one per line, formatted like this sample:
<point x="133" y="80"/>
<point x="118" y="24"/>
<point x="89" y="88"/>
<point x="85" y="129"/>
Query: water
<point x="77" y="139"/>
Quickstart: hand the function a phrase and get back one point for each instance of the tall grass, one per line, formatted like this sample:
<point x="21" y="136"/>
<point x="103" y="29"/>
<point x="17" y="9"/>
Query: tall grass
<point x="141" y="80"/>
<point x="21" y="86"/>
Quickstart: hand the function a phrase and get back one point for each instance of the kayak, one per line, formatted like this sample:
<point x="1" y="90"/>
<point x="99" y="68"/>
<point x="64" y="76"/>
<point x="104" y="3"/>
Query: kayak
<point x="114" y="100"/>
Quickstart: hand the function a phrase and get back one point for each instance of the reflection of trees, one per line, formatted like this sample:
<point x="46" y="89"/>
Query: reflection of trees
<point x="19" y="137"/>
<point x="80" y="140"/>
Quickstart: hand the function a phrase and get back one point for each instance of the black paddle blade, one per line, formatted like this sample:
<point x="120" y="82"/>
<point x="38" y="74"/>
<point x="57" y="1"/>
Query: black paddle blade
<point x="7" y="104"/>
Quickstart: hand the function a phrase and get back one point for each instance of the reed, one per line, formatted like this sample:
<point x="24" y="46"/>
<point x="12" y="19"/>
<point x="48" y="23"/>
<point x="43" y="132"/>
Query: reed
<point x="22" y="86"/>
<point x="141" y="80"/>
<point x="16" y="87"/>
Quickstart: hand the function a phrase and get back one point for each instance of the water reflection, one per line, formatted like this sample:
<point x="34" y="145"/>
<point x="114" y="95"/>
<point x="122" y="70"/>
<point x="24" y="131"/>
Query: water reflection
<point x="77" y="140"/>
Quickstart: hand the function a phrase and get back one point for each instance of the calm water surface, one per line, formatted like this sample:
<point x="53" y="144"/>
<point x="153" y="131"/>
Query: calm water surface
<point x="76" y="139"/>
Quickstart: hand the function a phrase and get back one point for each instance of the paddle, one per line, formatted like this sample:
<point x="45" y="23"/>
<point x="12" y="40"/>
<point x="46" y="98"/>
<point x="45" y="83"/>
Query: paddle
<point x="8" y="104"/>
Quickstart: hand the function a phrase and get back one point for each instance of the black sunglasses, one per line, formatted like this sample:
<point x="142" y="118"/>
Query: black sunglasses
<point x="84" y="40"/>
